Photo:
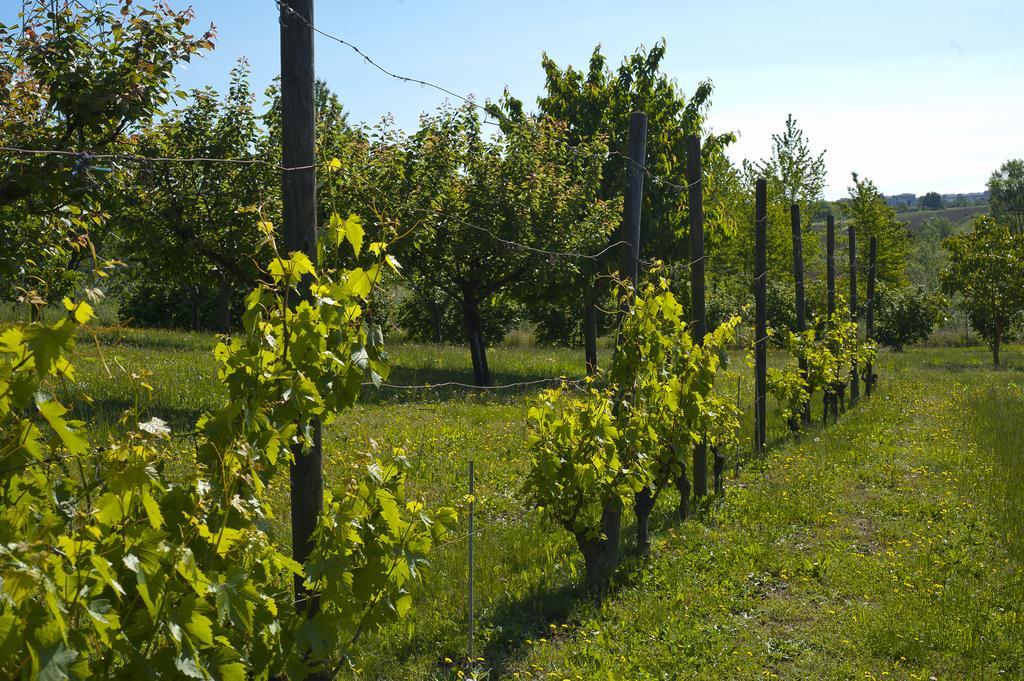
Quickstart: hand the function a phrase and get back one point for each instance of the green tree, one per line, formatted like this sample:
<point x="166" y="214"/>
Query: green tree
<point x="1006" y="193"/>
<point x="185" y="231"/>
<point x="930" y="201"/>
<point x="986" y="271"/>
<point x="795" y="175"/>
<point x="78" y="76"/>
<point x="596" y="104"/>
<point x="871" y="216"/>
<point x="486" y="215"/>
<point x="906" y="315"/>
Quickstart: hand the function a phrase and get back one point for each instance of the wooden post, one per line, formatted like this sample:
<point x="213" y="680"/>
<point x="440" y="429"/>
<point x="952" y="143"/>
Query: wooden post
<point x="801" y="297"/>
<point x="854" y="314"/>
<point x="760" y="315"/>
<point x="298" y="196"/>
<point x="629" y="268"/>
<point x="830" y="261"/>
<point x="870" y="321"/>
<point x="831" y="399"/>
<point x="698" y="312"/>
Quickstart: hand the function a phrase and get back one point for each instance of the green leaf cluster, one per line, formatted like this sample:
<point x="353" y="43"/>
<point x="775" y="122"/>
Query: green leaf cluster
<point x="633" y="425"/>
<point x="128" y="557"/>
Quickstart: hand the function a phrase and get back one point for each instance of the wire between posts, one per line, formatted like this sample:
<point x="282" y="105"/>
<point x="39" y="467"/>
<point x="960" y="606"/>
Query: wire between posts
<point x="135" y="158"/>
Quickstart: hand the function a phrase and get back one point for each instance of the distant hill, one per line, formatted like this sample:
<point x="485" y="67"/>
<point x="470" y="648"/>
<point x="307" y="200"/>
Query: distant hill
<point x="910" y="201"/>
<point x="957" y="216"/>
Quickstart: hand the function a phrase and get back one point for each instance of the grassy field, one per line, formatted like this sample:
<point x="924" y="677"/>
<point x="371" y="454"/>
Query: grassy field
<point x="957" y="216"/>
<point x="890" y="545"/>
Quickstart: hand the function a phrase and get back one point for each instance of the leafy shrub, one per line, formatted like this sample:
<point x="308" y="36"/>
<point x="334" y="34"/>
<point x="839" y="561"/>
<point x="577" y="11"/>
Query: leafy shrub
<point x="115" y="562"/>
<point x="906" y="315"/>
<point x="630" y="433"/>
<point x="789" y="389"/>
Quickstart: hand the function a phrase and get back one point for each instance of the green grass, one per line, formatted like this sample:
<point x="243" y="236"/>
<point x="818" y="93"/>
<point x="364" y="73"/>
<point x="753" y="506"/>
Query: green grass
<point x="890" y="545"/>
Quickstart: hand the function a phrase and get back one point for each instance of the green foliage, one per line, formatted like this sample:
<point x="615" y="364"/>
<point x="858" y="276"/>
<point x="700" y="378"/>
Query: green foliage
<point x="461" y="198"/>
<point x="598" y="103"/>
<point x="986" y="273"/>
<point x="795" y="174"/>
<point x="431" y="316"/>
<point x="927" y="257"/>
<point x="84" y="76"/>
<point x="1006" y="193"/>
<point x="590" y="452"/>
<point x="829" y="351"/>
<point x="906" y="315"/>
<point x="183" y="234"/>
<point x="577" y="467"/>
<point x="787" y="386"/>
<point x="931" y="201"/>
<point x="125" y="557"/>
<point x="873" y="217"/>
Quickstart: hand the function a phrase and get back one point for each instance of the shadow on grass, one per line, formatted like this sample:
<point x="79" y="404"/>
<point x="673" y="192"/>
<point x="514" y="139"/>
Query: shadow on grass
<point x="110" y="410"/>
<point x="149" y="339"/>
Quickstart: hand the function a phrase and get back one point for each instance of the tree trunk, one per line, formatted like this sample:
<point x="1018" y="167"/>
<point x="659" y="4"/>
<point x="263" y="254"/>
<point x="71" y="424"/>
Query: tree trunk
<point x="437" y="321"/>
<point x="719" y="470"/>
<point x="643" y="504"/>
<point x="224" y="304"/>
<point x="475" y="335"/>
<point x="996" y="342"/>
<point x="590" y="330"/>
<point x="601" y="554"/>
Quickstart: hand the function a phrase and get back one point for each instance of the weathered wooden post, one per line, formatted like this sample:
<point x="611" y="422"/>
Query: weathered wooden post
<point x="801" y="298"/>
<point x="831" y="399"/>
<point x="629" y="270"/>
<point x="698" y="312"/>
<point x="854" y="314"/>
<point x="298" y="197"/>
<point x="760" y="315"/>
<point x="869" y="380"/>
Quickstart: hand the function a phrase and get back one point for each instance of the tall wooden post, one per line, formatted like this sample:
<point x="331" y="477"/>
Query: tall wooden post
<point x="831" y="400"/>
<point x="830" y="261"/>
<point x="854" y="314"/>
<point x="298" y="196"/>
<point x="698" y="312"/>
<point x="870" y="321"/>
<point x="801" y="297"/>
<point x="760" y="315"/>
<point x="629" y="268"/>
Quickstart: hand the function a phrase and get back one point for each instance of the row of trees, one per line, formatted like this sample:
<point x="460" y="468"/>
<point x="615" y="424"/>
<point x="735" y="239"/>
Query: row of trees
<point x="491" y="222"/>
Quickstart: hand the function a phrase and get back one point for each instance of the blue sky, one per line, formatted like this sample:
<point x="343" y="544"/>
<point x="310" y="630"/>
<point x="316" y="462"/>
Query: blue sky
<point x="917" y="95"/>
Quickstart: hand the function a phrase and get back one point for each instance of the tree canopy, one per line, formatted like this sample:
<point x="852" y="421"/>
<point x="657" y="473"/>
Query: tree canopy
<point x="986" y="272"/>
<point x="82" y="77"/>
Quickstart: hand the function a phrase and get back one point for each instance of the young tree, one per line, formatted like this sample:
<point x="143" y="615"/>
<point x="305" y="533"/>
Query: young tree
<point x="795" y="175"/>
<point x="873" y="217"/>
<point x="484" y="214"/>
<point x="1006" y="193"/>
<point x="986" y="269"/>
<point x="83" y="77"/>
